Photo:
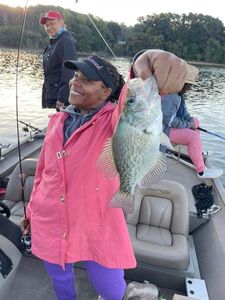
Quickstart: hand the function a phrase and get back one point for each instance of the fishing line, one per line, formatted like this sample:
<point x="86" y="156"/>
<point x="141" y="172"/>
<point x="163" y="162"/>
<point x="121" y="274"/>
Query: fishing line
<point x="110" y="49"/>
<point x="17" y="109"/>
<point x="101" y="36"/>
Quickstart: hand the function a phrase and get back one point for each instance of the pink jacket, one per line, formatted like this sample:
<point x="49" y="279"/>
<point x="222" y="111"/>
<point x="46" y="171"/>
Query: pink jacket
<point x="69" y="208"/>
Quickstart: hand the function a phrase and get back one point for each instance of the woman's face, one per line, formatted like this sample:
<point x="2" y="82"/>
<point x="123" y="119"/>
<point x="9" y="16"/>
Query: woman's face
<point x="86" y="94"/>
<point x="53" y="26"/>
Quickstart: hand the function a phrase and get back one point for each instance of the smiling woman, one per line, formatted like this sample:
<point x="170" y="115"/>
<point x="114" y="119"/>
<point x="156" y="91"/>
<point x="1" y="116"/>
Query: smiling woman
<point x="78" y="191"/>
<point x="80" y="95"/>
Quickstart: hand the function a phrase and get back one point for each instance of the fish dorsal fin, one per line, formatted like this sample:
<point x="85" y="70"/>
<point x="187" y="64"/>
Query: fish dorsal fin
<point x="155" y="173"/>
<point x="165" y="141"/>
<point x="105" y="161"/>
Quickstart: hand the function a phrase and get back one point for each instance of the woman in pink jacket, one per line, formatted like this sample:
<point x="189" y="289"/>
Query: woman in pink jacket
<point x="69" y="206"/>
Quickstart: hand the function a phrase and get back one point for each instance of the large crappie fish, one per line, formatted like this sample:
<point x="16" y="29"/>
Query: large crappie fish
<point x="133" y="151"/>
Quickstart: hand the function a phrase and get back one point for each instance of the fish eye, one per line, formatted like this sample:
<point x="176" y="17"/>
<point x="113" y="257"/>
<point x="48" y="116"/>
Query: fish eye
<point x="130" y="100"/>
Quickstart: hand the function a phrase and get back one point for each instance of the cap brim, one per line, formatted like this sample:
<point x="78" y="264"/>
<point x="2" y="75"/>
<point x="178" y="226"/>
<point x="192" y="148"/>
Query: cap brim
<point x="84" y="68"/>
<point x="43" y="20"/>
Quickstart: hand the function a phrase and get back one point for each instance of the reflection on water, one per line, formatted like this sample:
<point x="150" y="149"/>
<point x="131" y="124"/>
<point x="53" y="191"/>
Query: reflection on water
<point x="29" y="93"/>
<point x="205" y="101"/>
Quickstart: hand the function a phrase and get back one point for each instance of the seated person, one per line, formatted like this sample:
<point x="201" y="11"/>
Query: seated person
<point x="182" y="128"/>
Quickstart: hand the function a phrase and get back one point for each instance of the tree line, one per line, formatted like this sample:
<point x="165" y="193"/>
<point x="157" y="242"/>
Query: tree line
<point x="195" y="37"/>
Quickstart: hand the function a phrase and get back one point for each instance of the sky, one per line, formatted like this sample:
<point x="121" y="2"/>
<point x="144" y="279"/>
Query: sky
<point x="127" y="11"/>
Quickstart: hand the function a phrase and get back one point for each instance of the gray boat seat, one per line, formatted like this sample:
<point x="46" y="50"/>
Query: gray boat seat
<point x="158" y="227"/>
<point x="13" y="196"/>
<point x="10" y="254"/>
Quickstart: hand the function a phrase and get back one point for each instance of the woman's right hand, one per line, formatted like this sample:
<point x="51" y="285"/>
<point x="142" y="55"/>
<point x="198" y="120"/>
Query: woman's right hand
<point x="25" y="226"/>
<point x="170" y="70"/>
<point x="192" y="124"/>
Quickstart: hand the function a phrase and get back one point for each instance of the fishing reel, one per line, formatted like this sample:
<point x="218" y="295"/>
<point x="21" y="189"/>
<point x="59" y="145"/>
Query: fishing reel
<point x="26" y="242"/>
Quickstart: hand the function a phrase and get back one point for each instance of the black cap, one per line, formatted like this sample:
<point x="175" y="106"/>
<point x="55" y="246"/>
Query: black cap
<point x="93" y="68"/>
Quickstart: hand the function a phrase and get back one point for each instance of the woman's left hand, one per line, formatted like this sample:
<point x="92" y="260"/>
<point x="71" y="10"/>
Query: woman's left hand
<point x="25" y="226"/>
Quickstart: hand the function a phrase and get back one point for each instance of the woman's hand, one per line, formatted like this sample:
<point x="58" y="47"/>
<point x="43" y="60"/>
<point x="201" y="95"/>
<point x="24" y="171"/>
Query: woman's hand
<point x="58" y="105"/>
<point x="169" y="70"/>
<point x="25" y="226"/>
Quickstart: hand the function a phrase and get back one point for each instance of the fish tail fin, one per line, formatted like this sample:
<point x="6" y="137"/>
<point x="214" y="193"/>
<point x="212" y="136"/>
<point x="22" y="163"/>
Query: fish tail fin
<point x="124" y="201"/>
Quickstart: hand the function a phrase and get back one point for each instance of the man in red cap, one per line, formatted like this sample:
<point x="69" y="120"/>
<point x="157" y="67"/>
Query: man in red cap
<point x="61" y="47"/>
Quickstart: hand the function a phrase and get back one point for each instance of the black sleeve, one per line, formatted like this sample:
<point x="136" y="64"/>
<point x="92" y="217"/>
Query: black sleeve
<point x="67" y="52"/>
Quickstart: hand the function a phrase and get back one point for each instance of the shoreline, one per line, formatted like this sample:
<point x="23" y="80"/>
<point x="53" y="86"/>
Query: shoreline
<point x="195" y="63"/>
<point x="205" y="64"/>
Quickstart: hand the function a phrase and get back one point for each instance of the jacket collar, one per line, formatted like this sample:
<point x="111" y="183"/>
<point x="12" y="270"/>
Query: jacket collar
<point x="60" y="117"/>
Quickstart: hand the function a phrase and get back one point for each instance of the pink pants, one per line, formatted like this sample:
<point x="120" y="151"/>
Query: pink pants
<point x="190" y="138"/>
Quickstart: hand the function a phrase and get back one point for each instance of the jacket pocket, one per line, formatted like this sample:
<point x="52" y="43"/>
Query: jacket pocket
<point x="52" y="89"/>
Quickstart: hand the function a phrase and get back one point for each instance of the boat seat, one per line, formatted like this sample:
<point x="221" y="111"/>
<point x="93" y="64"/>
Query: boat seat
<point x="159" y="225"/>
<point x="13" y="195"/>
<point x="10" y="254"/>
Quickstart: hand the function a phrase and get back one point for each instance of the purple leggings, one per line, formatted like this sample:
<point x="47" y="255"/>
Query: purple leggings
<point x="109" y="283"/>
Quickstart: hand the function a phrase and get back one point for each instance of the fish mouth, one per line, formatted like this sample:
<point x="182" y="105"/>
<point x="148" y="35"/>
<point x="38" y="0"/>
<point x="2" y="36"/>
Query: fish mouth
<point x="135" y="84"/>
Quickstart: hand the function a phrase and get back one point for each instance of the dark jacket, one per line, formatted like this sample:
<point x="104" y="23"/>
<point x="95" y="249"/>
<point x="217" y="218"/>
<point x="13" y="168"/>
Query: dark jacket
<point x="56" y="76"/>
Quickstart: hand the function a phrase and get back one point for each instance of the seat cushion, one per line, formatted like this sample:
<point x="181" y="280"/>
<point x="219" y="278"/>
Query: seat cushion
<point x="156" y="211"/>
<point x="13" y="196"/>
<point x="175" y="256"/>
<point x="156" y="235"/>
<point x="158" y="227"/>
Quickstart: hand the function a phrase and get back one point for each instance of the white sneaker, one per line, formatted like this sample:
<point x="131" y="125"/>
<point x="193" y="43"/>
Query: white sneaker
<point x="100" y="298"/>
<point x="211" y="173"/>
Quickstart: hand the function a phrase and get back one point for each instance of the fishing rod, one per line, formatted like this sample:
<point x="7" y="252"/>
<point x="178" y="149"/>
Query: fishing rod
<point x="17" y="109"/>
<point x="101" y="35"/>
<point x="89" y="17"/>
<point x="27" y="125"/>
<point x="26" y="239"/>
<point x="217" y="135"/>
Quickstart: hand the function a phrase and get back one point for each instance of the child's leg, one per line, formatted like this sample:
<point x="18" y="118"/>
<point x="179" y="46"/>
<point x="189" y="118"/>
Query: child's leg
<point x="62" y="280"/>
<point x="191" y="138"/>
<point x="109" y="283"/>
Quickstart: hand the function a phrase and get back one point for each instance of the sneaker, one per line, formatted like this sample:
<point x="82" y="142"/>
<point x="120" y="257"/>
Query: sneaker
<point x="211" y="173"/>
<point x="100" y="298"/>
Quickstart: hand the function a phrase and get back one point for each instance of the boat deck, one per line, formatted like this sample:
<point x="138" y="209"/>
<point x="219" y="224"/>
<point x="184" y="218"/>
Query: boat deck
<point x="32" y="282"/>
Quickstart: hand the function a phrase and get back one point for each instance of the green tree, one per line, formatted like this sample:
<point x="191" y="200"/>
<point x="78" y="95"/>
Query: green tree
<point x="193" y="37"/>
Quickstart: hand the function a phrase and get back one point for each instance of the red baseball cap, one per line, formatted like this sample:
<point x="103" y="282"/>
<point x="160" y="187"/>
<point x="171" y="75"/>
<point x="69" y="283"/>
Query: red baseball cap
<point x="52" y="15"/>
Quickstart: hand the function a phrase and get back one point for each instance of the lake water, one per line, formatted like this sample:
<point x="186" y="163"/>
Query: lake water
<point x="206" y="101"/>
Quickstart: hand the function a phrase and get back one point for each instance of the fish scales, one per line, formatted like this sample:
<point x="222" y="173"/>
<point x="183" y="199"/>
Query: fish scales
<point x="131" y="150"/>
<point x="135" y="143"/>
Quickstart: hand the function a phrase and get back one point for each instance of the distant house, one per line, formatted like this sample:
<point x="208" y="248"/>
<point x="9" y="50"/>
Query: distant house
<point x="121" y="43"/>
